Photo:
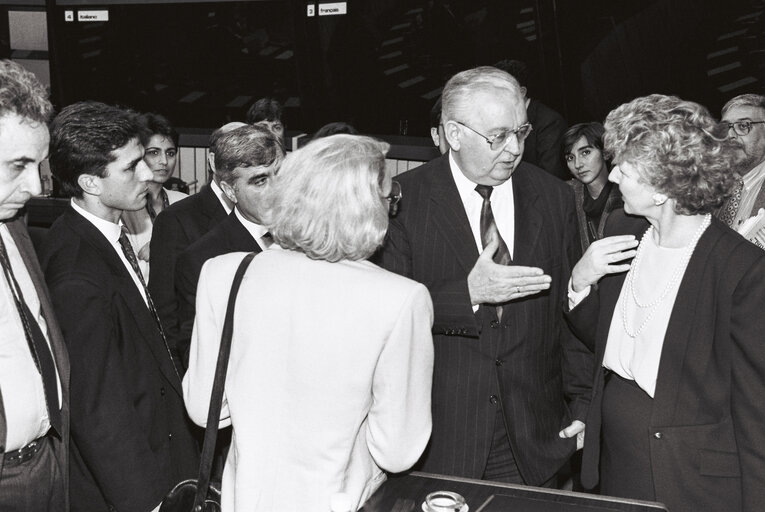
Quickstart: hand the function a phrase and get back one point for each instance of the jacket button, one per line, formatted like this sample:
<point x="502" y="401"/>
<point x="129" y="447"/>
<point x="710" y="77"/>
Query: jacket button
<point x="499" y="362"/>
<point x="493" y="399"/>
<point x="658" y="435"/>
<point x="494" y="324"/>
<point x="162" y="391"/>
<point x="169" y="437"/>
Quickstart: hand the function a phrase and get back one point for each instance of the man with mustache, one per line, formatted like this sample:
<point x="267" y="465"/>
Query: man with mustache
<point x="131" y="439"/>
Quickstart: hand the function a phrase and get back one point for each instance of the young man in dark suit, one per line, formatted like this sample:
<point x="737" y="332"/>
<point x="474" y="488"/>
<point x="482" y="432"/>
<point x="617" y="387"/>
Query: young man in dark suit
<point x="246" y="160"/>
<point x="131" y="438"/>
<point x="508" y="373"/>
<point x="34" y="365"/>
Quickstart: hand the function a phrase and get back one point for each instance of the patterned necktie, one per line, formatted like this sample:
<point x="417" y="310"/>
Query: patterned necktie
<point x="489" y="227"/>
<point x="127" y="250"/>
<point x="38" y="346"/>
<point x="489" y="231"/>
<point x="730" y="208"/>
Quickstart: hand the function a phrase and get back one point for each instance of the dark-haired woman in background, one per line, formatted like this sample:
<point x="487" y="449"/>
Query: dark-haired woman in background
<point x="677" y="412"/>
<point x="596" y="197"/>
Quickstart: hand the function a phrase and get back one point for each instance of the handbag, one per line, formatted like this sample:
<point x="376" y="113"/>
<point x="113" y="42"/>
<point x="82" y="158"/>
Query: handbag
<point x="197" y="495"/>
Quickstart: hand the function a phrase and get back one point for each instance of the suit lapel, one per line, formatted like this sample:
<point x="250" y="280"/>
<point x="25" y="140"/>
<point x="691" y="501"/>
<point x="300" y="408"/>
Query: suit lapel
<point x="450" y="217"/>
<point x="237" y="236"/>
<point x="528" y="218"/>
<point x="677" y="348"/>
<point x="20" y="236"/>
<point x="211" y="207"/>
<point x="128" y="290"/>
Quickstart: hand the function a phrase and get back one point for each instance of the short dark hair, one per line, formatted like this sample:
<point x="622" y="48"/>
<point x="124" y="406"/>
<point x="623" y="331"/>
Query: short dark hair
<point x="265" y="109"/>
<point x="517" y="68"/>
<point x="156" y="124"/>
<point x="246" y="146"/>
<point x="435" y="114"/>
<point x="21" y="93"/>
<point x="83" y="137"/>
<point x="335" y="128"/>
<point x="592" y="132"/>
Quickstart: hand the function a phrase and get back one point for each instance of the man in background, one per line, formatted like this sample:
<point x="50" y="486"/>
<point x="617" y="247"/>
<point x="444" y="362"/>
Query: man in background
<point x="544" y="144"/>
<point x="34" y="365"/>
<point x="745" y="116"/>
<point x="267" y="112"/>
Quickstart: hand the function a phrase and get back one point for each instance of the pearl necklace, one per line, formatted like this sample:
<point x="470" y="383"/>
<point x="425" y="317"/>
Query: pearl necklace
<point x="677" y="274"/>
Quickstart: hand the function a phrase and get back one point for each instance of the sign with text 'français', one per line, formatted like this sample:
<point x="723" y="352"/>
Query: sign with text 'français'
<point x="333" y="9"/>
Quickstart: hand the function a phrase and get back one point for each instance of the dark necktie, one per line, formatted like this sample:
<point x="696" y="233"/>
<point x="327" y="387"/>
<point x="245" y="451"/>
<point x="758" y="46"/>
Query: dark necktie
<point x="489" y="231"/>
<point x="266" y="240"/>
<point x="730" y="208"/>
<point x="38" y="346"/>
<point x="489" y="227"/>
<point x="127" y="250"/>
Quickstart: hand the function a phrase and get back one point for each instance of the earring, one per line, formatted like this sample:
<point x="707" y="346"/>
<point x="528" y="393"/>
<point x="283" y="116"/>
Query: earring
<point x="659" y="199"/>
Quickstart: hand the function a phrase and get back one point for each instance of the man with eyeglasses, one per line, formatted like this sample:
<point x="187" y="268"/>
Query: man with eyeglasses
<point x="494" y="240"/>
<point x="745" y="115"/>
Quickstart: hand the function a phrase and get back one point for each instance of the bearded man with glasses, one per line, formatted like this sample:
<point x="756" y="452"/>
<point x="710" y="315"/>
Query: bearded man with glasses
<point x="745" y="116"/>
<point x="494" y="239"/>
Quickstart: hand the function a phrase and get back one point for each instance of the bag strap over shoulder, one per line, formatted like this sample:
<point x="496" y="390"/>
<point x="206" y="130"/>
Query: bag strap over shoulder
<point x="216" y="398"/>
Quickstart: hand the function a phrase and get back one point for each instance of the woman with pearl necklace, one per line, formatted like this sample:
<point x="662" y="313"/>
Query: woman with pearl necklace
<point x="674" y="310"/>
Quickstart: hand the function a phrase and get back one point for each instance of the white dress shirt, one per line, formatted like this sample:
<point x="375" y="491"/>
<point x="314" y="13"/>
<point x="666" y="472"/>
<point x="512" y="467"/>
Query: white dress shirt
<point x="502" y="206"/>
<point x="26" y="412"/>
<point x="256" y="230"/>
<point x="111" y="232"/>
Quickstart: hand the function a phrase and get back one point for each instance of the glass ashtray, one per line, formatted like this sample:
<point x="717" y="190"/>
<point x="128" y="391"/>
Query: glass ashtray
<point x="444" y="501"/>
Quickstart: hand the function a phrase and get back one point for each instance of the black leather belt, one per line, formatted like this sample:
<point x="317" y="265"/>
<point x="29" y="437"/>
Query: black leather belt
<point x="24" y="453"/>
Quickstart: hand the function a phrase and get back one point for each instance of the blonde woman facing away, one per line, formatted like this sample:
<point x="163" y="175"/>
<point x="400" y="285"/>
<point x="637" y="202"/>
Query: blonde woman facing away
<point x="331" y="363"/>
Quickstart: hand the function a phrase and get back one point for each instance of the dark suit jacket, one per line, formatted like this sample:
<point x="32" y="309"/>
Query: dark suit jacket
<point x="708" y="404"/>
<point x="544" y="145"/>
<point x="228" y="236"/>
<point x="131" y="439"/>
<point x="175" y="228"/>
<point x="20" y="235"/>
<point x="530" y="363"/>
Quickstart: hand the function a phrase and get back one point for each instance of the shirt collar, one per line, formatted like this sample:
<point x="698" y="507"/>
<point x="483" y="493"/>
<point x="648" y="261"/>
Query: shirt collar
<point x="256" y="230"/>
<point x="466" y="188"/>
<point x="753" y="177"/>
<point x="110" y="230"/>
<point x="219" y="194"/>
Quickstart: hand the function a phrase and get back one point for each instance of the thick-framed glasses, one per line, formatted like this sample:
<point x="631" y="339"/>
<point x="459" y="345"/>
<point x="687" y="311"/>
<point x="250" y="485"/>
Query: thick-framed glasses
<point x="742" y="128"/>
<point x="394" y="197"/>
<point x="499" y="140"/>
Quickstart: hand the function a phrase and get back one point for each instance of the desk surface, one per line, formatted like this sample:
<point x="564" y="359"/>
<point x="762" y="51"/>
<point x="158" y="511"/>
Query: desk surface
<point x="407" y="493"/>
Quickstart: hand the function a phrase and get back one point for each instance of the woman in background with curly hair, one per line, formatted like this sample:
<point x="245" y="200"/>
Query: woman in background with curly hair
<point x="676" y="413"/>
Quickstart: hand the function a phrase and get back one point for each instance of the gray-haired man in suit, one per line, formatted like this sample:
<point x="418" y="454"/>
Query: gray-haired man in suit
<point x="34" y="367"/>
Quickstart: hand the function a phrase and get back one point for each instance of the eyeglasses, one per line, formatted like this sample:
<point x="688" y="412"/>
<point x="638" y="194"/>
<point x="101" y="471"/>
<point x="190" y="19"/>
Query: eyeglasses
<point x="499" y="140"/>
<point x="394" y="197"/>
<point x="742" y="128"/>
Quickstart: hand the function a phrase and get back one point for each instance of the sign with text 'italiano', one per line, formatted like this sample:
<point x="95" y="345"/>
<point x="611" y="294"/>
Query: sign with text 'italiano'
<point x="333" y="9"/>
<point x="92" y="15"/>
